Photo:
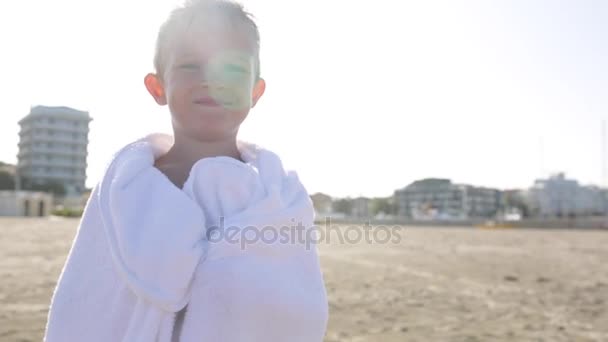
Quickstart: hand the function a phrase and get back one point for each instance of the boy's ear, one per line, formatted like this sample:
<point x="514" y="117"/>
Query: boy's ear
<point x="258" y="91"/>
<point x="155" y="88"/>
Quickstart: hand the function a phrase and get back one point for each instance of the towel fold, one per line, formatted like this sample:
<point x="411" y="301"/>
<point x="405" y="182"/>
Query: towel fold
<point x="232" y="247"/>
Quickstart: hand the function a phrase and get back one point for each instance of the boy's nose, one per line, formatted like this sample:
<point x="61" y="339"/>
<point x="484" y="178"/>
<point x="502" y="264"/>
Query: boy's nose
<point x="212" y="84"/>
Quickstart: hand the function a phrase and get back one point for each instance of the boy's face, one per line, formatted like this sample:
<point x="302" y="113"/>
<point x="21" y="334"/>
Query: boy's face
<point x="209" y="82"/>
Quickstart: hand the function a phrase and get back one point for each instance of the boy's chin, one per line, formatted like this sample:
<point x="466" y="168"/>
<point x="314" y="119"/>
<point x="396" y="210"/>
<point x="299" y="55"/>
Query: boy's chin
<point x="217" y="112"/>
<point x="210" y="124"/>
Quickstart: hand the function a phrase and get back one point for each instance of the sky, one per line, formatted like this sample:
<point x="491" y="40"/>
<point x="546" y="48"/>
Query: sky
<point x="362" y="97"/>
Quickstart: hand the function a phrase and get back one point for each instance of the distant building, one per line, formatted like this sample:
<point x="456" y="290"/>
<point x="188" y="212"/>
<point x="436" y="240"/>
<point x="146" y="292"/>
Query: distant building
<point x="480" y="201"/>
<point x="25" y="203"/>
<point x="435" y="198"/>
<point x="360" y="207"/>
<point x="558" y="196"/>
<point x="53" y="147"/>
<point x="591" y="200"/>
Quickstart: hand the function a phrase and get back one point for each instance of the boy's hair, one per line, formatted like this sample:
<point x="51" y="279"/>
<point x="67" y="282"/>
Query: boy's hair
<point x="232" y="14"/>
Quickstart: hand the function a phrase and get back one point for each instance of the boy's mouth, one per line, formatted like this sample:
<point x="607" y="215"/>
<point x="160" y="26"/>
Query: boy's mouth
<point x="206" y="101"/>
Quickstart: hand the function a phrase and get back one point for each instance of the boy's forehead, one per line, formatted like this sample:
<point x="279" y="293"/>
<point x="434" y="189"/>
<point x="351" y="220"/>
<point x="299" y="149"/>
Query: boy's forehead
<point x="208" y="40"/>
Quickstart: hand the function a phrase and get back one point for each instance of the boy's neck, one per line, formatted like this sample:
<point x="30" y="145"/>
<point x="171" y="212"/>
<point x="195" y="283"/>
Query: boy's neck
<point x="188" y="151"/>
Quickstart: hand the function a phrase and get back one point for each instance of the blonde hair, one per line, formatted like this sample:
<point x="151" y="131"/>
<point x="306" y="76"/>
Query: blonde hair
<point x="232" y="14"/>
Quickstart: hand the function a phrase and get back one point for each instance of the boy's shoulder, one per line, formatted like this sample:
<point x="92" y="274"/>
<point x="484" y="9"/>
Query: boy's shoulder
<point x="135" y="156"/>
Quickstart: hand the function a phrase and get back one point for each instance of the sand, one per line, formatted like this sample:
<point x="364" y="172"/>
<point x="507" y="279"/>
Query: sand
<point x="435" y="284"/>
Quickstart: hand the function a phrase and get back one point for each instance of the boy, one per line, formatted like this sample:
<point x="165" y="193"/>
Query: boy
<point x="145" y="265"/>
<point x="209" y="76"/>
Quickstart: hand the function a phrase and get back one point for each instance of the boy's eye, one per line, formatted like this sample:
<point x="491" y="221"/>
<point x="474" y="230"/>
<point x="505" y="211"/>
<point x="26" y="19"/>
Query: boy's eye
<point x="235" y="68"/>
<point x="189" y="66"/>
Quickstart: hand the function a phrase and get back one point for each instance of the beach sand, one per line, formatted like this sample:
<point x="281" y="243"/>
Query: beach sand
<point x="434" y="284"/>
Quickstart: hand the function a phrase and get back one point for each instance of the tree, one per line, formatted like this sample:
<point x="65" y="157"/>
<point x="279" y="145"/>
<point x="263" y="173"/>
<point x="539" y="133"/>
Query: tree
<point x="7" y="181"/>
<point x="382" y="205"/>
<point x="515" y="199"/>
<point x="343" y="205"/>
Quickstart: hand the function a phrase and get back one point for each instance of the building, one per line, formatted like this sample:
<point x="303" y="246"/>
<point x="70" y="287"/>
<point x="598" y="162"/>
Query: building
<point x="480" y="201"/>
<point x="436" y="198"/>
<point x="590" y="201"/>
<point x="25" y="203"/>
<point x="360" y="207"/>
<point x="431" y="198"/>
<point x="53" y="147"/>
<point x="558" y="196"/>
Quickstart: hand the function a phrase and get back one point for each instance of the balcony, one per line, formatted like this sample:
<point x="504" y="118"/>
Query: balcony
<point x="53" y="163"/>
<point x="44" y="128"/>
<point x="63" y="176"/>
<point x="23" y="154"/>
<point x="46" y="138"/>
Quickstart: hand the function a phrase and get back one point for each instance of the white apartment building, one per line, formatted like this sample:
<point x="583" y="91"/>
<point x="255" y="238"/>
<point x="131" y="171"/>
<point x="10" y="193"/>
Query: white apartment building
<point x="53" y="147"/>
<point x="558" y="196"/>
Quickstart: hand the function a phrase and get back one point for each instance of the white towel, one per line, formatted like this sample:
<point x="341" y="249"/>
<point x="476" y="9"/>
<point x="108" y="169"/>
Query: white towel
<point x="223" y="248"/>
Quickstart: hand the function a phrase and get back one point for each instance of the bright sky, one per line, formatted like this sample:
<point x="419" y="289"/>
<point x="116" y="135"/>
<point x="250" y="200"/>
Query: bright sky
<point x="363" y="97"/>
